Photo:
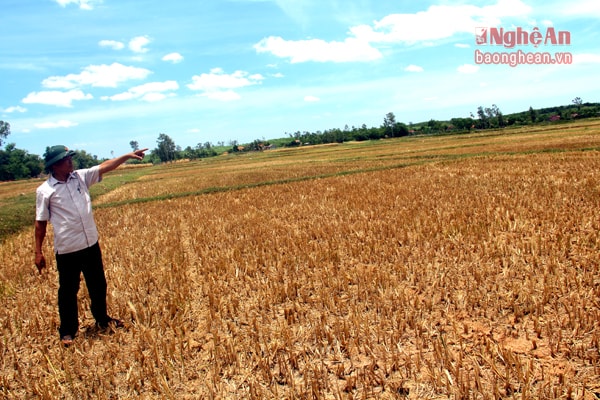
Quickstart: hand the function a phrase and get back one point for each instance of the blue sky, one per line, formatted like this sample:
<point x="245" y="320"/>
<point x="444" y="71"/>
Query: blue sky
<point x="97" y="74"/>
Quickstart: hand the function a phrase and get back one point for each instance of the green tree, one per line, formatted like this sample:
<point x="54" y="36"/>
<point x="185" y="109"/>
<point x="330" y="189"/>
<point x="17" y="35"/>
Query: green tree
<point x="388" y="124"/>
<point x="532" y="115"/>
<point x="462" y="124"/>
<point x="489" y="117"/>
<point x="483" y="118"/>
<point x="18" y="164"/>
<point x="434" y="126"/>
<point x="166" y="148"/>
<point x="189" y="153"/>
<point x="401" y="129"/>
<point x="496" y="115"/>
<point x="256" y="145"/>
<point x="134" y="145"/>
<point x="500" y="119"/>
<point x="4" y="131"/>
<point x="83" y="159"/>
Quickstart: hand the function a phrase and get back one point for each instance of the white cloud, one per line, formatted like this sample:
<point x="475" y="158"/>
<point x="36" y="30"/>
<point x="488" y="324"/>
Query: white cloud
<point x="462" y="45"/>
<point x="157" y="87"/>
<point x="468" y="69"/>
<point x="13" y="109"/>
<point x="350" y="50"/>
<point x="586" y="58"/>
<point x="97" y="76"/>
<point x="311" y="99"/>
<point x="438" y="22"/>
<point x="83" y="4"/>
<point x="413" y="68"/>
<point x="63" y="123"/>
<point x="151" y="92"/>
<point x="426" y="27"/>
<point x="137" y="44"/>
<point x="113" y="44"/>
<point x="218" y="85"/>
<point x="583" y="8"/>
<point x="173" y="57"/>
<point x="56" y="98"/>
<point x="120" y="97"/>
<point x="225" y="95"/>
<point x="154" y="97"/>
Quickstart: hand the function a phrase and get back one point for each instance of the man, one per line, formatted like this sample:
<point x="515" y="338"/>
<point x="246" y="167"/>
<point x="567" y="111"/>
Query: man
<point x="64" y="200"/>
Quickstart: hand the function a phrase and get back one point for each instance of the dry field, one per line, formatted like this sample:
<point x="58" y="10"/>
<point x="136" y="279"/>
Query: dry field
<point x="422" y="268"/>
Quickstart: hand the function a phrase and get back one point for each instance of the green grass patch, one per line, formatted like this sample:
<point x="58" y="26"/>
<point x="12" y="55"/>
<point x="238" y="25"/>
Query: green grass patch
<point x="16" y="213"/>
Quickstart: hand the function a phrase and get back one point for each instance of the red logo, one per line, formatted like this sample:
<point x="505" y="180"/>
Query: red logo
<point x="481" y="36"/>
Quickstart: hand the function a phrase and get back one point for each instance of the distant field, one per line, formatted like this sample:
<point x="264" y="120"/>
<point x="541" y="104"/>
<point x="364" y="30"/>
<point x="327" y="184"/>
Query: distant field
<point x="463" y="266"/>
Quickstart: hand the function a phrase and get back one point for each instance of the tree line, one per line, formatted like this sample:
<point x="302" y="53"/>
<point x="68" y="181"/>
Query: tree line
<point x="19" y="164"/>
<point x="484" y="118"/>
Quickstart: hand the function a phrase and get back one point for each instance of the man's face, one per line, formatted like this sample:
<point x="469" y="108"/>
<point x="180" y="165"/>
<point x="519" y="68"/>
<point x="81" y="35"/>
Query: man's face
<point x="64" y="166"/>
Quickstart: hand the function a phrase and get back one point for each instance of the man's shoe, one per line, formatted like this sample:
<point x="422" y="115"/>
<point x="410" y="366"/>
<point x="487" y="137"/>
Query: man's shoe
<point x="111" y="323"/>
<point x="67" y="340"/>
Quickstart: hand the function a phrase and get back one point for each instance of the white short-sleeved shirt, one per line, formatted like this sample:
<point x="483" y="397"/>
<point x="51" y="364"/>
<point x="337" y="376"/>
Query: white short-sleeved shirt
<point x="68" y="207"/>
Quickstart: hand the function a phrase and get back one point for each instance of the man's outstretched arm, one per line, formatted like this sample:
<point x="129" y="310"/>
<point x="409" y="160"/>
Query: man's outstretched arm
<point x="112" y="164"/>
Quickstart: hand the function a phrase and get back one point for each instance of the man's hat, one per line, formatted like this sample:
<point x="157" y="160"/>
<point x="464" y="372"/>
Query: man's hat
<point x="57" y="153"/>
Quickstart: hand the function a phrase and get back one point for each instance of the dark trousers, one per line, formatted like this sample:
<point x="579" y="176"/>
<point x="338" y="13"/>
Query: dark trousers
<point x="70" y="267"/>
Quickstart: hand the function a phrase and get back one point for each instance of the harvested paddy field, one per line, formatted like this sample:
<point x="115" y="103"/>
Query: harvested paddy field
<point x="463" y="266"/>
